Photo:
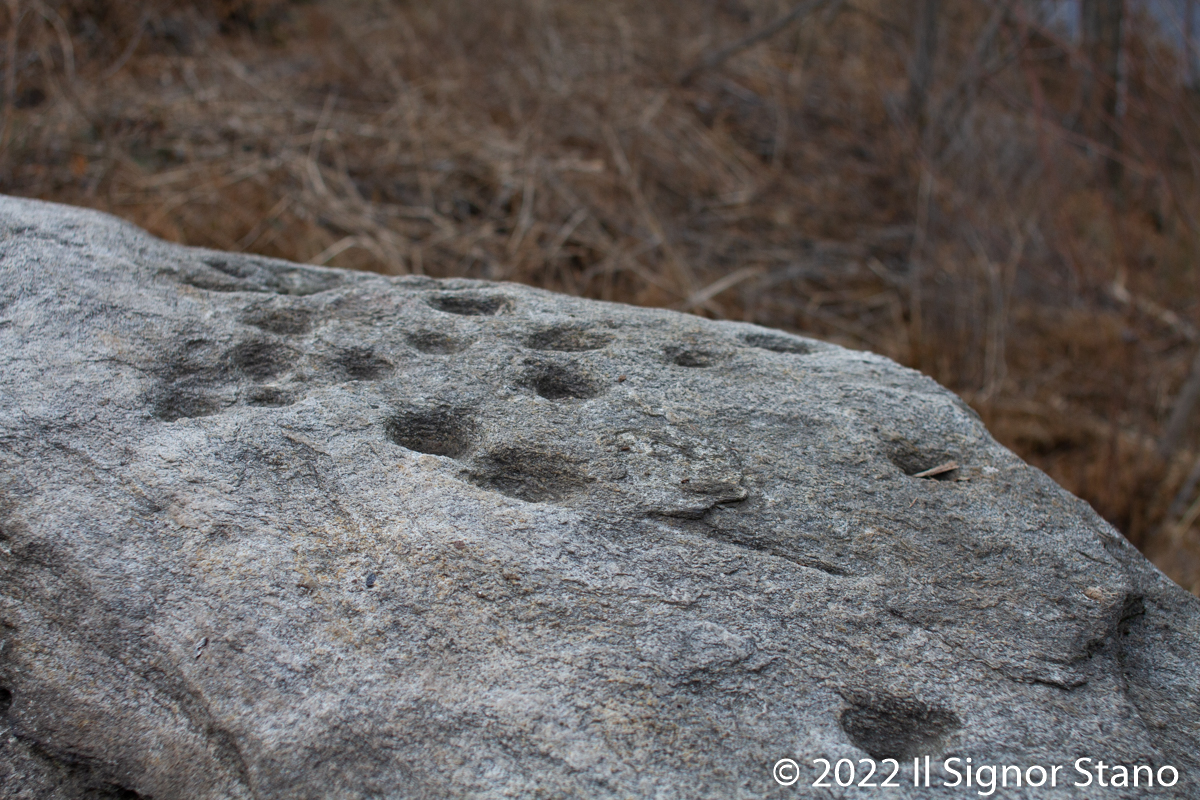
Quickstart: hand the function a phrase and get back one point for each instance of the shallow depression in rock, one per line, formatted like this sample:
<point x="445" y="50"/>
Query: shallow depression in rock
<point x="469" y="305"/>
<point x="528" y="474"/>
<point x="561" y="381"/>
<point x="891" y="727"/>
<point x="438" y="431"/>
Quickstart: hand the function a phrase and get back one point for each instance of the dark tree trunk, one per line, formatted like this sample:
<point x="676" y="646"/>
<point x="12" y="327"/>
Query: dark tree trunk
<point x="1191" y="63"/>
<point x="920" y="67"/>
<point x="1100" y="24"/>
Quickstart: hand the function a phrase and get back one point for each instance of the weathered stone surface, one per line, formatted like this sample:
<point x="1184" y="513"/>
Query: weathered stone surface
<point x="274" y="531"/>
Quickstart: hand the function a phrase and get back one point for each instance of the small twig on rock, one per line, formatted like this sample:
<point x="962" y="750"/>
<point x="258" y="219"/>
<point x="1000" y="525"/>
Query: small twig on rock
<point x="940" y="469"/>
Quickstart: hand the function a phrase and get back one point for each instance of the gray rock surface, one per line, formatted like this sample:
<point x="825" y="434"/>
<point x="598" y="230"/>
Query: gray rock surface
<point x="275" y="531"/>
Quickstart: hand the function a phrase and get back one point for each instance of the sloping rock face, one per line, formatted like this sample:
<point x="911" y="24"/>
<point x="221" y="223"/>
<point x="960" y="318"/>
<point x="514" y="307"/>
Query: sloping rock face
<point x="274" y="531"/>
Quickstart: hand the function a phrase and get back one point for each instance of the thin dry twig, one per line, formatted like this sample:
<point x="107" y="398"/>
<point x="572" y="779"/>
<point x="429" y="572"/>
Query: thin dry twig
<point x="129" y="50"/>
<point x="64" y="38"/>
<point x="940" y="469"/>
<point x="702" y="296"/>
<point x="713" y="60"/>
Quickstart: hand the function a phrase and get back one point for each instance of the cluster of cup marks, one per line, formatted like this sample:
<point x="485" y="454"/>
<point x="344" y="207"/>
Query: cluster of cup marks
<point x="192" y="382"/>
<point x="523" y="471"/>
<point x="881" y="724"/>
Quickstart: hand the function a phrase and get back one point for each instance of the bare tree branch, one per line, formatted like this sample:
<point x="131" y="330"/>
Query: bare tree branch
<point x="920" y="67"/>
<point x="713" y="60"/>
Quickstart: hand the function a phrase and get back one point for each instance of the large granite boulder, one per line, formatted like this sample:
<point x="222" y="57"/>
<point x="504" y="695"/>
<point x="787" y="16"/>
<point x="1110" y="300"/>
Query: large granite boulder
<point x="275" y="531"/>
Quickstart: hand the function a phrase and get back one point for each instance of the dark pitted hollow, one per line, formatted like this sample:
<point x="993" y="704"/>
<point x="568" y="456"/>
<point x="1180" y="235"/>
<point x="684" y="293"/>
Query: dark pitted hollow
<point x="283" y="321"/>
<point x="260" y="359"/>
<point x="469" y="305"/>
<point x="436" y="343"/>
<point x="436" y="432"/>
<point x="555" y="381"/>
<point x="270" y="397"/>
<point x="778" y="344"/>
<point x="693" y="356"/>
<point x="568" y="339"/>
<point x="892" y="727"/>
<point x="528" y="474"/>
<point x="362" y="364"/>
<point x="172" y="403"/>
<point x="913" y="460"/>
<point x="251" y="274"/>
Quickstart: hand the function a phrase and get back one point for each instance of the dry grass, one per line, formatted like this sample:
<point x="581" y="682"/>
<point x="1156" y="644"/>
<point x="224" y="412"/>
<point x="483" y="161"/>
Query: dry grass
<point x="552" y="142"/>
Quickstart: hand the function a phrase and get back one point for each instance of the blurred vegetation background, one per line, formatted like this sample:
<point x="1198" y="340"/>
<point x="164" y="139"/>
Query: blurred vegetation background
<point x="1001" y="193"/>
